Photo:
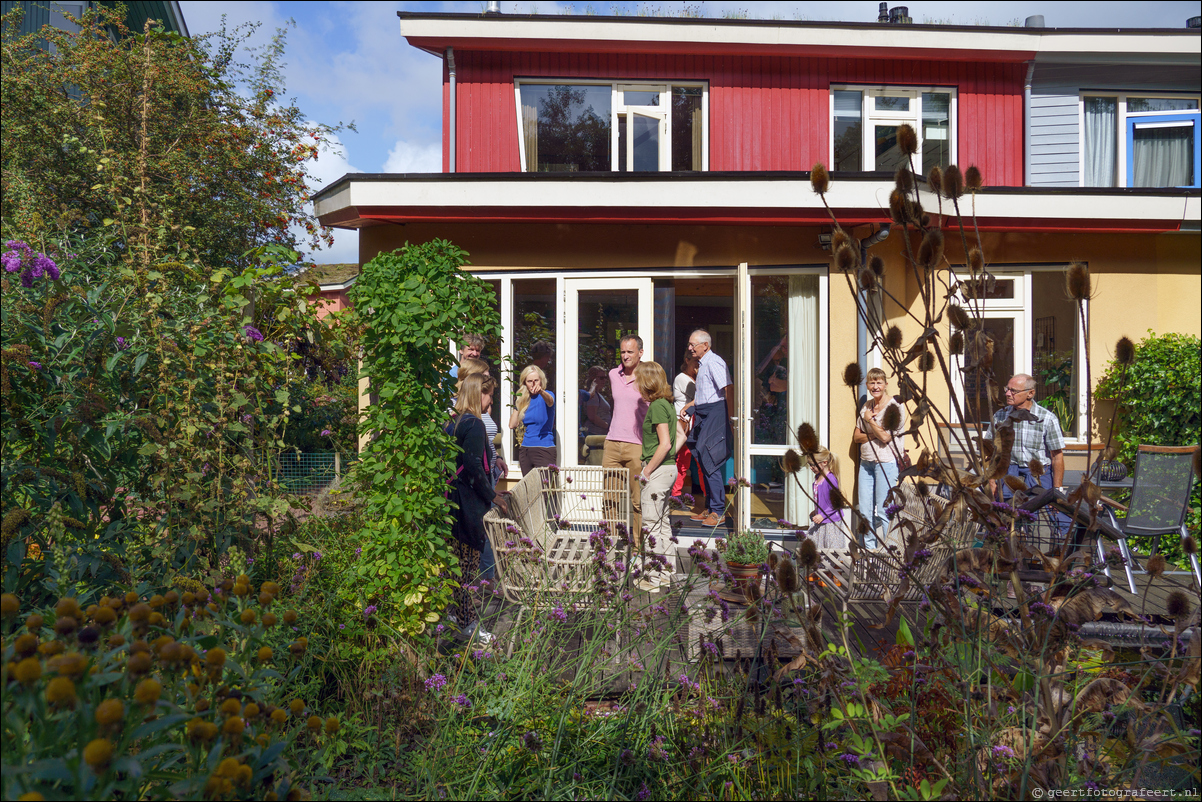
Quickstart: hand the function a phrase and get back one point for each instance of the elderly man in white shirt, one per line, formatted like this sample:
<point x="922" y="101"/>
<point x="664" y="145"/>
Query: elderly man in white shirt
<point x="710" y="437"/>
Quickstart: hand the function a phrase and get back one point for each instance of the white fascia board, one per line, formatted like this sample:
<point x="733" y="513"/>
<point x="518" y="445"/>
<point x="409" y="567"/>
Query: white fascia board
<point x="449" y="196"/>
<point x="888" y="37"/>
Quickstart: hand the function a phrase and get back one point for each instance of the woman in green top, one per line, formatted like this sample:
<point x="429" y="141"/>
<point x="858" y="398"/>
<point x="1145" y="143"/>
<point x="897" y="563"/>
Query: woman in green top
<point x="658" y="474"/>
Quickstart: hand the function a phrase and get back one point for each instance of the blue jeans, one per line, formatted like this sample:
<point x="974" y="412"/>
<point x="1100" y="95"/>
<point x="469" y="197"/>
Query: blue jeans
<point x="876" y="479"/>
<point x="1057" y="521"/>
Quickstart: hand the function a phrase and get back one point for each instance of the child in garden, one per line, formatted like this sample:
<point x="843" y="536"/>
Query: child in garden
<point x="827" y="528"/>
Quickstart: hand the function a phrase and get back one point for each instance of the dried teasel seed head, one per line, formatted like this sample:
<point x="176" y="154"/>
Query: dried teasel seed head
<point x="773" y="560"/>
<point x="839" y="238"/>
<point x="786" y="576"/>
<point x="1077" y="282"/>
<point x="1178" y="605"/>
<point x="972" y="177"/>
<point x="898" y="206"/>
<point x="976" y="260"/>
<point x="867" y="279"/>
<point x="1189" y="545"/>
<point x="846" y="258"/>
<point x="931" y="249"/>
<point x="955" y="344"/>
<point x="904" y="179"/>
<point x="1014" y="483"/>
<point x="853" y="376"/>
<point x="935" y="180"/>
<point x="957" y="316"/>
<point x="907" y="139"/>
<point x="1156" y="565"/>
<point x="807" y="438"/>
<point x="838" y="502"/>
<point x="1124" y="351"/>
<point x="807" y="555"/>
<point x="953" y="182"/>
<point x="926" y="361"/>
<point x="891" y="418"/>
<point x="791" y="461"/>
<point x="877" y="265"/>
<point x="820" y="179"/>
<point x="1036" y="468"/>
<point x="893" y="338"/>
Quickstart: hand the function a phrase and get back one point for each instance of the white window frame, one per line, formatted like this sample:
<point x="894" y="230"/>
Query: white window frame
<point x="1021" y="309"/>
<point x="1121" y="118"/>
<point x="618" y="108"/>
<point x="869" y="116"/>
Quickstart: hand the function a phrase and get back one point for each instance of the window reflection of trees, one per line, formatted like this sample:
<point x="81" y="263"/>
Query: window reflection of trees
<point x="572" y="137"/>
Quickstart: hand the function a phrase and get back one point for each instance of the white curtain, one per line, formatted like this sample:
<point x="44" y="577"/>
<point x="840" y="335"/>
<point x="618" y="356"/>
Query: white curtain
<point x="1163" y="155"/>
<point x="530" y="136"/>
<point x="803" y="384"/>
<point x="1101" y="130"/>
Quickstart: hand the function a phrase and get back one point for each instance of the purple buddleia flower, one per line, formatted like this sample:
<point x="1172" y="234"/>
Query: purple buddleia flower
<point x="43" y="265"/>
<point x="11" y="261"/>
<point x="35" y="365"/>
<point x="252" y="334"/>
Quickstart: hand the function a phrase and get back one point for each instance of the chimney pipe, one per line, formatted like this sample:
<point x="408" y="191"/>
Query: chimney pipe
<point x="1034" y="21"/>
<point x="899" y="15"/>
<point x="494" y="7"/>
<point x="883" y="14"/>
<point x="1194" y="22"/>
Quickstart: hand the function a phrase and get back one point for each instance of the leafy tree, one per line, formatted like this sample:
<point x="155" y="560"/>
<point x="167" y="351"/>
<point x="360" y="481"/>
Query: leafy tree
<point x="185" y="147"/>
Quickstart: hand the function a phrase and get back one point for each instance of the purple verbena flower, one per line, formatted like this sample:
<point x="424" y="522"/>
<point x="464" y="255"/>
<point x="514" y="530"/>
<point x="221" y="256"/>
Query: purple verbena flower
<point x="35" y="365"/>
<point x="326" y="433"/>
<point x="436" y="682"/>
<point x="368" y="611"/>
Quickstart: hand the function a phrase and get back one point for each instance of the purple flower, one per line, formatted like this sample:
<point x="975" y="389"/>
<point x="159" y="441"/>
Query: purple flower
<point x="121" y="344"/>
<point x="532" y="741"/>
<point x="558" y="613"/>
<point x="893" y="509"/>
<point x="326" y="433"/>
<point x="35" y="365"/>
<point x="368" y="611"/>
<point x="43" y="265"/>
<point x="252" y="334"/>
<point x="11" y="261"/>
<point x="850" y="759"/>
<point x="247" y="418"/>
<point x="436" y="683"/>
<point x="462" y="701"/>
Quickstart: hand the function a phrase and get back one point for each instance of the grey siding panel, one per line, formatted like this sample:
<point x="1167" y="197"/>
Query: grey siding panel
<point x="1053" y="138"/>
<point x="1053" y="135"/>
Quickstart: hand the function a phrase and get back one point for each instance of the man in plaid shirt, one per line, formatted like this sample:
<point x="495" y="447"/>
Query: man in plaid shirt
<point x="1034" y="440"/>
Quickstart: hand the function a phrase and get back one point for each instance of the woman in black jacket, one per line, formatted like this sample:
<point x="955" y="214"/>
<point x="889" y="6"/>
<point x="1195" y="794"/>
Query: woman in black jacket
<point x="471" y="492"/>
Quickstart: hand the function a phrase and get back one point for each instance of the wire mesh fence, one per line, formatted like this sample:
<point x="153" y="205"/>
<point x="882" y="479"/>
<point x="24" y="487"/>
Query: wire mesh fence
<point x="313" y="471"/>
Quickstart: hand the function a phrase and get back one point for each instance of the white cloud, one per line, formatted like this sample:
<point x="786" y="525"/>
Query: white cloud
<point x="405" y="157"/>
<point x="331" y="164"/>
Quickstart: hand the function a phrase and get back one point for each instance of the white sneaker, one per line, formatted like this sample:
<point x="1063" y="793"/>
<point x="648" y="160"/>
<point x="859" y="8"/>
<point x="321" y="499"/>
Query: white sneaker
<point x="478" y="633"/>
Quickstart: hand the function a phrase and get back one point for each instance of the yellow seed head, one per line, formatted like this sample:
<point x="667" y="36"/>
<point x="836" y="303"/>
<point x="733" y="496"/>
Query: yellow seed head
<point x="331" y="726"/>
<point x="248" y="616"/>
<point x="231" y="707"/>
<point x="314" y="723"/>
<point x="148" y="691"/>
<point x="264" y="654"/>
<point x="109" y="712"/>
<point x="60" y="692"/>
<point x="98" y="753"/>
<point x="28" y="671"/>
<point x="10" y="605"/>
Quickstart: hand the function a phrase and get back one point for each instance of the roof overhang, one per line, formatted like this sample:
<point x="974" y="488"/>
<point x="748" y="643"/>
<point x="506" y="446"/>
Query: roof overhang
<point x="785" y="198"/>
<point x="593" y="34"/>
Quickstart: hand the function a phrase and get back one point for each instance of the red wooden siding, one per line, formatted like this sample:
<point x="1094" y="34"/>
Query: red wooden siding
<point x="766" y="112"/>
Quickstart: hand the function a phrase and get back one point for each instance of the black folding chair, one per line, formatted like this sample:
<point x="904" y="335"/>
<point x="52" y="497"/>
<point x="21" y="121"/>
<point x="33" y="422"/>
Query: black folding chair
<point x="1164" y="477"/>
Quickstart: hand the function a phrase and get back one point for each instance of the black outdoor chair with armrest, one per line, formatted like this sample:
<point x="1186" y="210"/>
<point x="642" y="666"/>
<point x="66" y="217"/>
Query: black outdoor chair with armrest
<point x="1164" y="476"/>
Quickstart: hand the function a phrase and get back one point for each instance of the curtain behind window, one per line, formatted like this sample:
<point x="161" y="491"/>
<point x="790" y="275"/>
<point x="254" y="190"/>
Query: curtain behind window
<point x="1163" y="157"/>
<point x="803" y="387"/>
<point x="1101" y="154"/>
<point x="530" y="136"/>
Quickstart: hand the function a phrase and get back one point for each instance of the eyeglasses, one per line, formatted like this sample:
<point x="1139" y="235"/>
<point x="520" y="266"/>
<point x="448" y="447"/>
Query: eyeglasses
<point x="1011" y="391"/>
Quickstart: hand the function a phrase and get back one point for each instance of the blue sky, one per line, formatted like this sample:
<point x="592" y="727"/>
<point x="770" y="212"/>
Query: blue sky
<point x="346" y="62"/>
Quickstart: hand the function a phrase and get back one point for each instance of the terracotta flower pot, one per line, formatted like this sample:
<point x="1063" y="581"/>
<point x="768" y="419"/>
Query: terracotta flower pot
<point x="743" y="575"/>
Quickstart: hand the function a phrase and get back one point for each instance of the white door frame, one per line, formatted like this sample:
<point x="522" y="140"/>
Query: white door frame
<point x="567" y="416"/>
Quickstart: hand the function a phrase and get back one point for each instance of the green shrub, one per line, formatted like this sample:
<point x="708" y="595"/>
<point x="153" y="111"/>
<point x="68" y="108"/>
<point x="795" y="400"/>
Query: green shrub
<point x="1159" y="400"/>
<point x="412" y="303"/>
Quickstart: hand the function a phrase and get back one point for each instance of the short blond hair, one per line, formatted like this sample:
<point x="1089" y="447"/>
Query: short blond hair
<point x="875" y="373"/>
<point x="652" y="381"/>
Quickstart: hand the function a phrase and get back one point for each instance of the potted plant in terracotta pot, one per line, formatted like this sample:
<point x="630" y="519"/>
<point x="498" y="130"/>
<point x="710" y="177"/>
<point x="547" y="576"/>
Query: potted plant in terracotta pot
<point x="744" y="552"/>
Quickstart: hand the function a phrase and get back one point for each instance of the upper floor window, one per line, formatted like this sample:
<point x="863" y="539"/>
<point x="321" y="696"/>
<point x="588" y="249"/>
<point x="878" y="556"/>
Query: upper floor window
<point x="575" y="127"/>
<point x="864" y="123"/>
<point x="1139" y="141"/>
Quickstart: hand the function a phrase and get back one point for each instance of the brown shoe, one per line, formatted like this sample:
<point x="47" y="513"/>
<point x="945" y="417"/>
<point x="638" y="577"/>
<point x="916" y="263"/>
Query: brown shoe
<point x="714" y="519"/>
<point x="699" y="516"/>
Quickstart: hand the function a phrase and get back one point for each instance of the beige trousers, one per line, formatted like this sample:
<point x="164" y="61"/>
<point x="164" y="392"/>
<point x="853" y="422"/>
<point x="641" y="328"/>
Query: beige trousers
<point x="655" y="507"/>
<point x="627" y="455"/>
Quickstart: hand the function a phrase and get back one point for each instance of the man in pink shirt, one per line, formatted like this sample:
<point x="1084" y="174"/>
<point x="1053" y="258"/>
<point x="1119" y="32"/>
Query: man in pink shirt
<point x="624" y="442"/>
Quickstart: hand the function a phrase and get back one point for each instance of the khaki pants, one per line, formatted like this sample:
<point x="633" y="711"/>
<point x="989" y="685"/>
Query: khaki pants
<point x="628" y="456"/>
<point x="659" y="521"/>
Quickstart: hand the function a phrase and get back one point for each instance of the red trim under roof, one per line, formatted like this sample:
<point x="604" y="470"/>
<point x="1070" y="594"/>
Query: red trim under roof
<point x="716" y="216"/>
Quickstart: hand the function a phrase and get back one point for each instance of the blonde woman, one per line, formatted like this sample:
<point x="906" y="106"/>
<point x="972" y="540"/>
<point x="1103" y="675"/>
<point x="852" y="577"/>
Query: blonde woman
<point x="880" y="448"/>
<point x="471" y="492"/>
<point x="827" y="526"/>
<point x="659" y="470"/>
<point x="469" y="366"/>
<point x="535" y="410"/>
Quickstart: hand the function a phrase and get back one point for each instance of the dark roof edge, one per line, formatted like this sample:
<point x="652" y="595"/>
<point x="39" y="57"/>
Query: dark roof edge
<point x="741" y="175"/>
<point x="633" y="19"/>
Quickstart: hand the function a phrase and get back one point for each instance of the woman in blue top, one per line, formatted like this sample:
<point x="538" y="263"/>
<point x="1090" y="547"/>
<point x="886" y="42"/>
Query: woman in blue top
<point x="535" y="410"/>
